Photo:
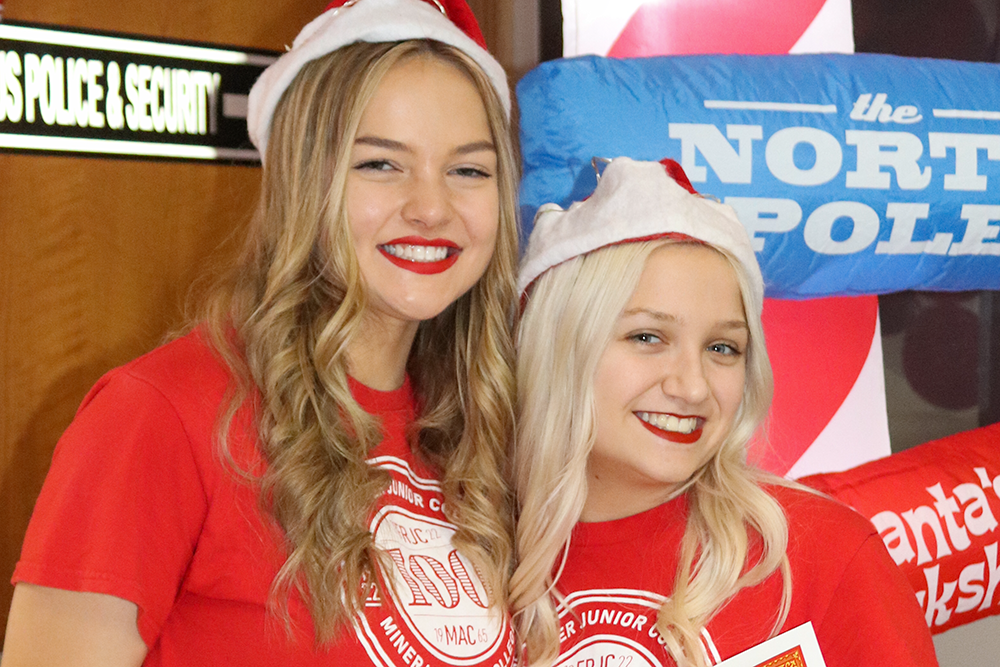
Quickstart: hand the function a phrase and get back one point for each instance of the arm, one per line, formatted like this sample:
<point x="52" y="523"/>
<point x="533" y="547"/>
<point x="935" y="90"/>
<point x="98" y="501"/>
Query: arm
<point x="874" y="617"/>
<point x="49" y="626"/>
<point x="117" y="520"/>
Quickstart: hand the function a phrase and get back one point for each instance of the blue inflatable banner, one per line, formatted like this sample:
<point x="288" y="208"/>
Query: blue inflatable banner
<point x="854" y="174"/>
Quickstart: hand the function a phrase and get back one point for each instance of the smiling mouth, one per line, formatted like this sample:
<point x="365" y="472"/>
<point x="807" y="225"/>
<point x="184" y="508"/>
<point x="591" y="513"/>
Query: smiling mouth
<point x="672" y="427"/>
<point x="416" y="253"/>
<point x="423" y="258"/>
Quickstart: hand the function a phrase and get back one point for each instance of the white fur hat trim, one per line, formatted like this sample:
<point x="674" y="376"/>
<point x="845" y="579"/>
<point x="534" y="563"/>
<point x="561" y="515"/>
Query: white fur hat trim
<point x="634" y="201"/>
<point x="367" y="21"/>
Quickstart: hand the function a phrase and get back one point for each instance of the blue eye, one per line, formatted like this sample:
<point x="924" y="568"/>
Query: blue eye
<point x="725" y="349"/>
<point x="644" y="338"/>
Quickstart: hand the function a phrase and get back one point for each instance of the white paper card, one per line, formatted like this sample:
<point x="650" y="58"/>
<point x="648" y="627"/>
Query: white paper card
<point x="796" y="648"/>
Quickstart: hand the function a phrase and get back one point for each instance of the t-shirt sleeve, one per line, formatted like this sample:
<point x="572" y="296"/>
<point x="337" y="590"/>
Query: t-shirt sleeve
<point x="122" y="506"/>
<point x="873" y="617"/>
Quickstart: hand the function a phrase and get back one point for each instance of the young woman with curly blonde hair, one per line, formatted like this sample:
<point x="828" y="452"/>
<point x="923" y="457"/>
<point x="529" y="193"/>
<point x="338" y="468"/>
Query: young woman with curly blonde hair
<point x="644" y="537"/>
<point x="314" y="474"/>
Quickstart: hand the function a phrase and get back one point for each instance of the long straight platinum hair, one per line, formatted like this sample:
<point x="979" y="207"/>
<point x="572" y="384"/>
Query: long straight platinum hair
<point x="566" y="326"/>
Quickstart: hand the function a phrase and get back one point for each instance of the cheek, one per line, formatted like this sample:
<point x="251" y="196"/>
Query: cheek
<point x="618" y="381"/>
<point x="482" y="215"/>
<point x="364" y="210"/>
<point x="729" y="390"/>
<point x="486" y="235"/>
<point x="605" y="376"/>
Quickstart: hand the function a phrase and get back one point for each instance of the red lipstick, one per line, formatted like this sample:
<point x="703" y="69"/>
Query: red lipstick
<point x="673" y="436"/>
<point x="423" y="268"/>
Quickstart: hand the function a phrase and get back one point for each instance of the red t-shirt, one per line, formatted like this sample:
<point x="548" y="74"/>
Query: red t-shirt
<point x="137" y="504"/>
<point x="863" y="611"/>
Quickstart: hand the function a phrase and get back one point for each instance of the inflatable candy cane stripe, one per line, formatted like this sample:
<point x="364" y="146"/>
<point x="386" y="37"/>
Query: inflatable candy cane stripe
<point x="674" y="27"/>
<point x="831" y="30"/>
<point x="591" y="27"/>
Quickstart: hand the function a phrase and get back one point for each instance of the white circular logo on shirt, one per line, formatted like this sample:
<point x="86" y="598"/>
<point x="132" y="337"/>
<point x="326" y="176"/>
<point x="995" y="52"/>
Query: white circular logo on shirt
<point x="440" y="595"/>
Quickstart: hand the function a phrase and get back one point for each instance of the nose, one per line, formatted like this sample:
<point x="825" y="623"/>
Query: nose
<point x="428" y="201"/>
<point x="684" y="378"/>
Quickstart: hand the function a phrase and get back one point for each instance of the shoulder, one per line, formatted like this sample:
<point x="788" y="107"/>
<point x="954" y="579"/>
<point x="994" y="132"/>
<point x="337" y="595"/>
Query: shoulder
<point x="185" y="373"/>
<point x="164" y="398"/>
<point x="816" y="519"/>
<point x="844" y="579"/>
<point x="833" y="552"/>
<point x="185" y="363"/>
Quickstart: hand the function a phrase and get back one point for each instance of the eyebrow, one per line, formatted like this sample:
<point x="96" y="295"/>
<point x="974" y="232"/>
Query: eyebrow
<point x="393" y="145"/>
<point x="655" y="314"/>
<point x="667" y="317"/>
<point x="380" y="142"/>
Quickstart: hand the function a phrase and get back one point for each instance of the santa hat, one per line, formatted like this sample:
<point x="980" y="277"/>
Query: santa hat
<point x="348" y="21"/>
<point x="637" y="201"/>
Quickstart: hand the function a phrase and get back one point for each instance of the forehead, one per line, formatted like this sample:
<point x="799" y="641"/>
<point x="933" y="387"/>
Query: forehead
<point x="424" y="81"/>
<point x="429" y="62"/>
<point x="688" y="280"/>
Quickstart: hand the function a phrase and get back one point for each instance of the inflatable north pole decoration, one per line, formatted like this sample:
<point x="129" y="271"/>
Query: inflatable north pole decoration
<point x="833" y="417"/>
<point x="856" y="175"/>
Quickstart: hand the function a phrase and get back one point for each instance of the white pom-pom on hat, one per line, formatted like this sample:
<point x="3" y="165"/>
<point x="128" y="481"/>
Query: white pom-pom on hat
<point x="636" y="201"/>
<point x="447" y="21"/>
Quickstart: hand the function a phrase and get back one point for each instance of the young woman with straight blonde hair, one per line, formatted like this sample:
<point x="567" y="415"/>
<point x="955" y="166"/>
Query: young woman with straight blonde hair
<point x="314" y="474"/>
<point x="644" y="537"/>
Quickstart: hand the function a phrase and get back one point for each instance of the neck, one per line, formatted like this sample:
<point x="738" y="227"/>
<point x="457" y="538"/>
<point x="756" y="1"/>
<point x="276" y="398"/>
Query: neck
<point x="378" y="353"/>
<point x="610" y="503"/>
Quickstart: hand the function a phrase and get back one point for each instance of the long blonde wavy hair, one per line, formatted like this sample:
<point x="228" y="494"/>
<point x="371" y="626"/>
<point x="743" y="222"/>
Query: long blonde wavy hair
<point x="286" y="314"/>
<point x="566" y="326"/>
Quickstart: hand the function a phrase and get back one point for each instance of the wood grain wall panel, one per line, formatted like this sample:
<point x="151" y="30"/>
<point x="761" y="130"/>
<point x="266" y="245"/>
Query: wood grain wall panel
<point x="98" y="255"/>
<point x="497" y="21"/>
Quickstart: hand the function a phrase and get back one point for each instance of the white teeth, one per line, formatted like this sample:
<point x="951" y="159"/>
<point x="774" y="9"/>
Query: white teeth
<point x="417" y="253"/>
<point x="669" y="422"/>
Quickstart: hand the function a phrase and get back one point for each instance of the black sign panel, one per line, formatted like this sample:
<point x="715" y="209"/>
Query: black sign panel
<point x="85" y="93"/>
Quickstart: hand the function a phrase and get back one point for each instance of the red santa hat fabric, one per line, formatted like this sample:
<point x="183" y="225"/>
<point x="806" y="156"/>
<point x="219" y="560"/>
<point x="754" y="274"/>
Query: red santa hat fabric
<point x="637" y="201"/>
<point x="349" y="21"/>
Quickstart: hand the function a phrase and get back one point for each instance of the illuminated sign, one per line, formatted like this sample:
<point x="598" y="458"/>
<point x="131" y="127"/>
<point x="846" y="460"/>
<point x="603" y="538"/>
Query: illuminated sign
<point x="85" y="93"/>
